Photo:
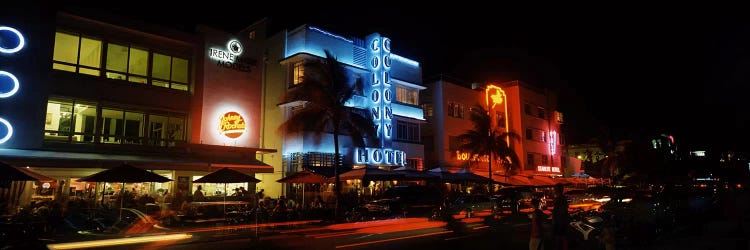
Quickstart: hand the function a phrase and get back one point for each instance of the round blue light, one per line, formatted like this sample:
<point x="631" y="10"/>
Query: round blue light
<point x="11" y="40"/>
<point x="8" y="130"/>
<point x="8" y="79"/>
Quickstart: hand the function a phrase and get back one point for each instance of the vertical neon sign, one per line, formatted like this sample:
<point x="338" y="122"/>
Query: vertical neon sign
<point x="381" y="97"/>
<point x="493" y="96"/>
<point x="553" y="142"/>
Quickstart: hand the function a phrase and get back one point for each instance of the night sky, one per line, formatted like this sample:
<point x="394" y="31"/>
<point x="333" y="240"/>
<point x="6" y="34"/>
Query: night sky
<point x="632" y="70"/>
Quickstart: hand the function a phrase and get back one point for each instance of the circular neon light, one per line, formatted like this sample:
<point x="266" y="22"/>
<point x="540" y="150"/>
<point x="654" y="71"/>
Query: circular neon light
<point x="386" y="44"/>
<point x="13" y="79"/>
<point x="20" y="40"/>
<point x="10" y="131"/>
<point x="232" y="125"/>
<point x="234" y="47"/>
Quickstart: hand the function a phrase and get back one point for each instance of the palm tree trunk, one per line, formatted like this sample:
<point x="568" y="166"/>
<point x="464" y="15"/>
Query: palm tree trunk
<point x="489" y="168"/>
<point x="336" y="184"/>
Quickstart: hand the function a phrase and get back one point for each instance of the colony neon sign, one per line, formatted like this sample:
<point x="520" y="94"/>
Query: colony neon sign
<point x="232" y="125"/>
<point x="381" y="96"/>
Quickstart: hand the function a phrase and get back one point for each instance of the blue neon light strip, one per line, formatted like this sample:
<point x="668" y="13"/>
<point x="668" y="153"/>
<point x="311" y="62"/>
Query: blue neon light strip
<point x="405" y="60"/>
<point x="329" y="34"/>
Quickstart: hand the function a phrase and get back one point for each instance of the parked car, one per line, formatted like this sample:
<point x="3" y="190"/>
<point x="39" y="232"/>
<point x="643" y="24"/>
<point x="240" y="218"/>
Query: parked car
<point x="470" y="205"/>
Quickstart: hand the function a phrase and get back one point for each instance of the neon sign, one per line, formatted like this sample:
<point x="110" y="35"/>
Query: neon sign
<point x="381" y="98"/>
<point x="232" y="125"/>
<point x="14" y="35"/>
<point x="553" y="142"/>
<point x="463" y="156"/>
<point x="379" y="156"/>
<point x="231" y="57"/>
<point x="548" y="169"/>
<point x="493" y="96"/>
<point x="13" y="81"/>
<point x="9" y="130"/>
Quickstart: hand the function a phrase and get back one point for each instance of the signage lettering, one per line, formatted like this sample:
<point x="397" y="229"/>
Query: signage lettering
<point x="232" y="125"/>
<point x="231" y="58"/>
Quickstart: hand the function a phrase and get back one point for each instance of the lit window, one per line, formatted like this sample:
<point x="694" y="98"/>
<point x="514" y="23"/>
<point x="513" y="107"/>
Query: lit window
<point x="70" y="121"/>
<point x="77" y="54"/>
<point x="169" y="72"/>
<point x="298" y="72"/>
<point x="427" y="108"/>
<point x="406" y="95"/>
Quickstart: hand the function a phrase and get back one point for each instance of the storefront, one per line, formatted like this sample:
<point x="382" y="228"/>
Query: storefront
<point x="179" y="104"/>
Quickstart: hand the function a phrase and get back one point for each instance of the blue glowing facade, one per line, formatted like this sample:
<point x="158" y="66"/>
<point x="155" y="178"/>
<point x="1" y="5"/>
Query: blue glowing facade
<point x="390" y="90"/>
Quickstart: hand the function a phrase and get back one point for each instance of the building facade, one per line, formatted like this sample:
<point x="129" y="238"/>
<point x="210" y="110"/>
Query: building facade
<point x="389" y="87"/>
<point x="514" y="107"/>
<point x="93" y="90"/>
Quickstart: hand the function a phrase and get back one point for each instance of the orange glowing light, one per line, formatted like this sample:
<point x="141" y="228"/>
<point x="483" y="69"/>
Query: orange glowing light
<point x="495" y="94"/>
<point x="232" y="125"/>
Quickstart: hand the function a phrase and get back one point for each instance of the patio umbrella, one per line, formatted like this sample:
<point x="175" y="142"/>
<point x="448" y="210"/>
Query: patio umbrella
<point x="304" y="177"/>
<point x="370" y="173"/>
<point x="124" y="173"/>
<point x="226" y="175"/>
<point x="415" y="175"/>
<point x="12" y="173"/>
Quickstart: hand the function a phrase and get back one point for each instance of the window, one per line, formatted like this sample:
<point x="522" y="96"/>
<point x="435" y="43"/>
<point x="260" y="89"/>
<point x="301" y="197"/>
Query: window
<point x="75" y="121"/>
<point x="455" y="110"/>
<point x="169" y="72"/>
<point x="83" y="55"/>
<point x="536" y="134"/>
<point x="77" y="54"/>
<point x="500" y="119"/>
<point x="70" y="121"/>
<point x="415" y="163"/>
<point x="427" y="108"/>
<point x="406" y="131"/>
<point x="527" y="108"/>
<point x="545" y="160"/>
<point x="540" y="113"/>
<point x="407" y="95"/>
<point x="530" y="161"/>
<point x="298" y="72"/>
<point x="559" y="117"/>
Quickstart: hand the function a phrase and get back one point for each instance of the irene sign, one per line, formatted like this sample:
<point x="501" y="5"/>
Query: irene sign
<point x="232" y="125"/>
<point x="231" y="58"/>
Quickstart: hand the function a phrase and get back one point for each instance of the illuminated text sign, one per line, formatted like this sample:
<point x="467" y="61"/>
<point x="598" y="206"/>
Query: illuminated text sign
<point x="232" y="125"/>
<point x="231" y="57"/>
<point x="379" y="156"/>
<point x="548" y="169"/>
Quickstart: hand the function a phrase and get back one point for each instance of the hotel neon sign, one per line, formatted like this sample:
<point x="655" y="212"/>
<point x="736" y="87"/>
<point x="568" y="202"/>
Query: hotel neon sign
<point x="381" y="96"/>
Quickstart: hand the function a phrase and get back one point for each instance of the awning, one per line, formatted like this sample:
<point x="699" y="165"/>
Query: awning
<point x="203" y="160"/>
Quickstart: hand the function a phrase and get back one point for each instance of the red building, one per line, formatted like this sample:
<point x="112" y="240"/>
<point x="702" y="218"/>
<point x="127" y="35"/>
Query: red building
<point x="514" y="106"/>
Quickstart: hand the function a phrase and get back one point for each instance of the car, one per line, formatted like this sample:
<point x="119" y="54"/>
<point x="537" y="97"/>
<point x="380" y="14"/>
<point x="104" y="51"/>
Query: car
<point x="470" y="205"/>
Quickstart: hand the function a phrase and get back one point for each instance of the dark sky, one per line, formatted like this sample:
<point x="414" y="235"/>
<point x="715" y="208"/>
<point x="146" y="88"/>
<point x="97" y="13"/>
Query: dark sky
<point x="634" y="70"/>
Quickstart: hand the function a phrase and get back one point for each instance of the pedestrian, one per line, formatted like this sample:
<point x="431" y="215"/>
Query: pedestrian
<point x="560" y="219"/>
<point x="537" y="228"/>
<point x="198" y="194"/>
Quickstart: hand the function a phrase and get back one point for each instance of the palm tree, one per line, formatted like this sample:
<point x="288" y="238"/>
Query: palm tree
<point x="484" y="139"/>
<point x="325" y="89"/>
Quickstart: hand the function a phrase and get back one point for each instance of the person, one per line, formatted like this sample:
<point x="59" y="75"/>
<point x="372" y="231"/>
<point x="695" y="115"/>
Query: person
<point x="260" y="193"/>
<point x="560" y="218"/>
<point x="537" y="228"/>
<point x="198" y="194"/>
<point x="243" y="192"/>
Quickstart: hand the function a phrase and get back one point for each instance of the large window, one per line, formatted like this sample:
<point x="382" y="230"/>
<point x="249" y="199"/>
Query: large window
<point x="536" y="134"/>
<point x="126" y="63"/>
<point x="500" y="119"/>
<point x="455" y="110"/>
<point x="77" y="121"/>
<point x="427" y="108"/>
<point x="407" y="95"/>
<point x="75" y="53"/>
<point x="68" y="120"/>
<point x="406" y="131"/>
<point x="169" y="72"/>
<point x="298" y="72"/>
<point x="83" y="55"/>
